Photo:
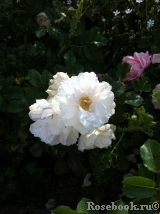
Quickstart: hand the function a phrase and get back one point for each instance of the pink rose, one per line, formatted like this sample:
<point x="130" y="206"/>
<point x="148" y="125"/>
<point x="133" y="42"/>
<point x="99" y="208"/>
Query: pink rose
<point x="154" y="100"/>
<point x="138" y="62"/>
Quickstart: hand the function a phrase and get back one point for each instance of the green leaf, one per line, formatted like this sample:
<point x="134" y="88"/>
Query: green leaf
<point x="157" y="38"/>
<point x="86" y="52"/>
<point x="139" y="187"/>
<point x="157" y="95"/>
<point x="99" y="40"/>
<point x="41" y="31"/>
<point x="133" y="99"/>
<point x="50" y="12"/>
<point x="70" y="60"/>
<point x="36" y="150"/>
<point x="141" y="85"/>
<point x="30" y="168"/>
<point x="119" y="203"/>
<point x="10" y="172"/>
<point x="60" y="68"/>
<point x="83" y="206"/>
<point x="123" y="69"/>
<point x="118" y="88"/>
<point x="35" y="78"/>
<point x="1" y="127"/>
<point x="150" y="152"/>
<point x="46" y="76"/>
<point x="11" y="58"/>
<point x="143" y="43"/>
<point x="78" y="69"/>
<point x="15" y="92"/>
<point x="100" y="173"/>
<point x="64" y="210"/>
<point x="7" y="83"/>
<point x="144" y="172"/>
<point x="16" y="106"/>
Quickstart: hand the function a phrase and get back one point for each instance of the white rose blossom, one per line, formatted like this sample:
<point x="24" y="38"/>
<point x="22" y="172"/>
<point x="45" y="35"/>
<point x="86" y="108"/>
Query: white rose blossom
<point x="99" y="138"/>
<point x="55" y="83"/>
<point x="49" y="126"/>
<point x="42" y="19"/>
<point x="85" y="103"/>
<point x="77" y="104"/>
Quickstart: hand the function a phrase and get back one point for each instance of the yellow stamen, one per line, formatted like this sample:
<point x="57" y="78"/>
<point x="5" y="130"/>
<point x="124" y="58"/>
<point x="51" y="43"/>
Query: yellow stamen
<point x="85" y="102"/>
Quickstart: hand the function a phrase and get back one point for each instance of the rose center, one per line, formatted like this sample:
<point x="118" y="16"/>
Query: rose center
<point x="85" y="102"/>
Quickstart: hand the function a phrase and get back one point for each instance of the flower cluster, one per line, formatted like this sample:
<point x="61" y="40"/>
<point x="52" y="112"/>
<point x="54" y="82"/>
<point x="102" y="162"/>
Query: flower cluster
<point x="80" y="104"/>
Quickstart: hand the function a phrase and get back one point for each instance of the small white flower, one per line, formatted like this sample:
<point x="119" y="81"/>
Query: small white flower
<point x="99" y="138"/>
<point x="51" y="203"/>
<point x="85" y="103"/>
<point x="86" y="181"/>
<point x="42" y="19"/>
<point x="69" y="2"/>
<point x="55" y="83"/>
<point x="139" y="1"/>
<point x="150" y="23"/>
<point x="157" y="1"/>
<point x="116" y="12"/>
<point x="132" y="36"/>
<point x="128" y="11"/>
<point x="158" y="10"/>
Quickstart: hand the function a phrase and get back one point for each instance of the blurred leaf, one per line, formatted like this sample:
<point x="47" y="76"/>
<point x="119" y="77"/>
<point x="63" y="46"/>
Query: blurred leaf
<point x="46" y="76"/>
<point x="133" y="99"/>
<point x="141" y="84"/>
<point x="157" y="95"/>
<point x="118" y="88"/>
<point x="78" y="69"/>
<point x="139" y="187"/>
<point x="82" y="207"/>
<point x="64" y="210"/>
<point x="10" y="172"/>
<point x="144" y="172"/>
<point x="30" y="168"/>
<point x="150" y="154"/>
<point x="7" y="83"/>
<point x="123" y="69"/>
<point x="15" y="92"/>
<point x="35" y="78"/>
<point x="70" y="60"/>
<point x="86" y="52"/>
<point x="143" y="43"/>
<point x="99" y="40"/>
<point x="15" y="106"/>
<point x="36" y="150"/>
<point x="41" y="31"/>
<point x="50" y="13"/>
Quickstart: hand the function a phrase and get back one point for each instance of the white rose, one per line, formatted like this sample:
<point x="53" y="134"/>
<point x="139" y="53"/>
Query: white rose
<point x="42" y="19"/>
<point x="99" y="138"/>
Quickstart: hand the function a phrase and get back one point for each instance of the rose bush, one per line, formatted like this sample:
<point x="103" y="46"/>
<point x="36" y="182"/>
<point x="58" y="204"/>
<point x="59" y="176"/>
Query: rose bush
<point x="59" y="122"/>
